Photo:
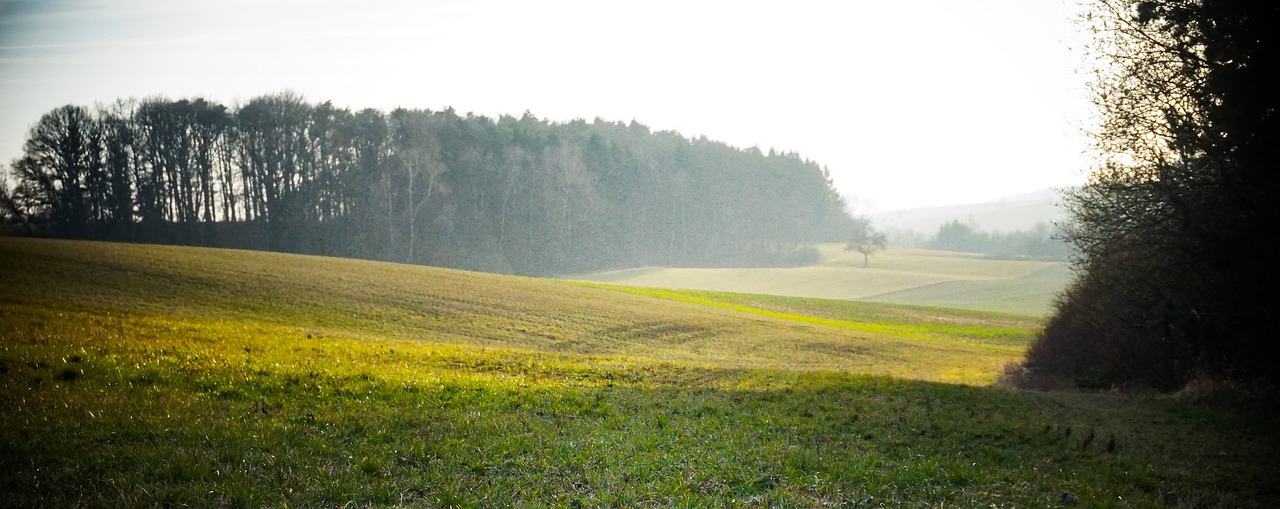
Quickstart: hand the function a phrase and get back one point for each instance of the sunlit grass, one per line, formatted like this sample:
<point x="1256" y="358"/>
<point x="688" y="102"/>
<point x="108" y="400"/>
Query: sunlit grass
<point x="1032" y="294"/>
<point x="409" y="302"/>
<point x="898" y="275"/>
<point x="951" y="264"/>
<point x="164" y="411"/>
<point x="144" y="376"/>
<point x="914" y="322"/>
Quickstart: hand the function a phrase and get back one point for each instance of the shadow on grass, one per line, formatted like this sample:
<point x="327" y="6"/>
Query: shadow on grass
<point x="254" y="436"/>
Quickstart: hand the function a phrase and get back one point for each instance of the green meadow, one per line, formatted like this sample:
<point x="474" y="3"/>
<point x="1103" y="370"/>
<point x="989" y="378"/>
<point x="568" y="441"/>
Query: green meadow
<point x="154" y="376"/>
<point x="918" y="277"/>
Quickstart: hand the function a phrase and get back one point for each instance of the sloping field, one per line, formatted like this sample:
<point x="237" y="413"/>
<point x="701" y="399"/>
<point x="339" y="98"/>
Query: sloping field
<point x="316" y="295"/>
<point x="150" y="376"/>
<point x="896" y="275"/>
<point x="1031" y="294"/>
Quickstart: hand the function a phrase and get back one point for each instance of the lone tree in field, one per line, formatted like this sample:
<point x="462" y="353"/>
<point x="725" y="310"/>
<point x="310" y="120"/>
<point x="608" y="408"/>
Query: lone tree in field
<point x="1175" y="278"/>
<point x="864" y="239"/>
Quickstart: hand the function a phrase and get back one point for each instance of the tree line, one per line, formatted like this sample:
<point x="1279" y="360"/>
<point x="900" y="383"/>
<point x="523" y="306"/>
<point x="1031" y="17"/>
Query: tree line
<point x="1043" y="241"/>
<point x="1038" y="243"/>
<point x="513" y="195"/>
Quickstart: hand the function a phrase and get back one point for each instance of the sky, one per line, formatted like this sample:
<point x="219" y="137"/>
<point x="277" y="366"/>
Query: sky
<point x="908" y="104"/>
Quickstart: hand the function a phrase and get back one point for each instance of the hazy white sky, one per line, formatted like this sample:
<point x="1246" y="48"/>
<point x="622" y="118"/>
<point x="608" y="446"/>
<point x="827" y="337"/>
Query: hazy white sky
<point x="909" y="104"/>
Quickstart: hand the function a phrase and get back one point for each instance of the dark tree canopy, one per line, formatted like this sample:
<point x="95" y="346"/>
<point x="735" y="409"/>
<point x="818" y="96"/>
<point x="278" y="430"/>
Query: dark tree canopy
<point x="1176" y="277"/>
<point x="518" y="195"/>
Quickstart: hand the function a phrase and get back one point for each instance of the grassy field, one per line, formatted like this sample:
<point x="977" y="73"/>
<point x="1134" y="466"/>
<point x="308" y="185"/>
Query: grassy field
<point x="897" y="275"/>
<point x="144" y="376"/>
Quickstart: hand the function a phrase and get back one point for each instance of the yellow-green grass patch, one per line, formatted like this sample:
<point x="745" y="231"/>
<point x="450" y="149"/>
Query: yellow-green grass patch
<point x="899" y="275"/>
<point x="129" y="409"/>
<point x="146" y="376"/>
<point x="448" y="306"/>
<point x="916" y="322"/>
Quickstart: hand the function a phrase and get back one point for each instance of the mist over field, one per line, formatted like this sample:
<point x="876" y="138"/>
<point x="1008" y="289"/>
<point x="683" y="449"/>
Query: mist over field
<point x="1005" y="214"/>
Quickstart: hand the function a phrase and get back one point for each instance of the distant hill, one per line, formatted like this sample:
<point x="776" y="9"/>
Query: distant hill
<point x="1011" y="213"/>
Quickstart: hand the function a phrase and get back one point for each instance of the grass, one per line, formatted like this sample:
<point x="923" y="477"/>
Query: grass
<point x="382" y="300"/>
<point x="898" y="275"/>
<point x="902" y="322"/>
<point x="144" y="376"/>
<point x="1031" y="294"/>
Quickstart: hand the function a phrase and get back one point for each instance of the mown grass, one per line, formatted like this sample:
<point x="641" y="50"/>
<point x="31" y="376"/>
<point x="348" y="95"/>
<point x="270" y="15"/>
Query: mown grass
<point x="999" y="329"/>
<point x="177" y="396"/>
<point x="1031" y="294"/>
<point x="897" y="275"/>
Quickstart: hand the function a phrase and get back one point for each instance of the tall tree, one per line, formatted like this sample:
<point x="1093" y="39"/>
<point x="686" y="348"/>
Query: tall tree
<point x="60" y="159"/>
<point x="418" y="153"/>
<point x="274" y="158"/>
<point x="118" y="140"/>
<point x="370" y="200"/>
